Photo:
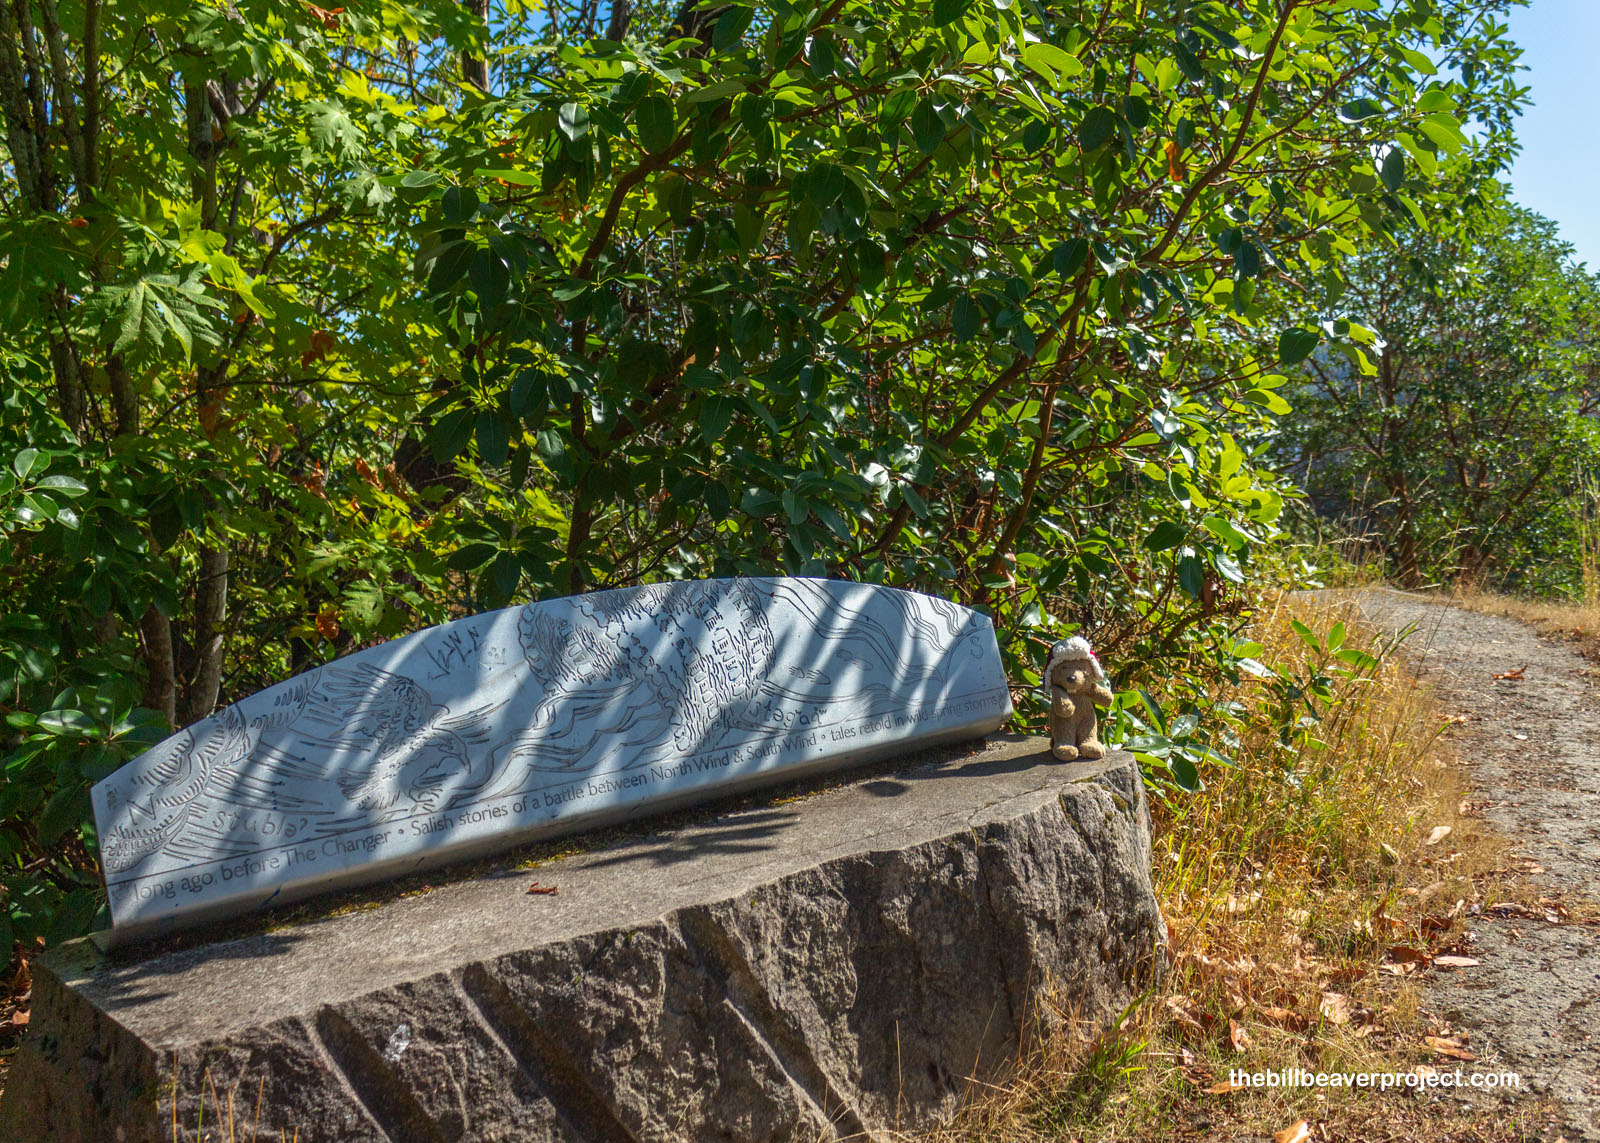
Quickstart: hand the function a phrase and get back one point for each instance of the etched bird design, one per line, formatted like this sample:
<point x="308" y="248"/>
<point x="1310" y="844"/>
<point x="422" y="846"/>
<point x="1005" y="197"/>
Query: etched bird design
<point x="636" y="669"/>
<point x="167" y="796"/>
<point x="417" y="750"/>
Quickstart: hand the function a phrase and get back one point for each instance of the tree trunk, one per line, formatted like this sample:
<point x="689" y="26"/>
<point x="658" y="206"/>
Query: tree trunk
<point x="1408" y="569"/>
<point x="621" y="17"/>
<point x="475" y="70"/>
<point x="160" y="685"/>
<point x="210" y="612"/>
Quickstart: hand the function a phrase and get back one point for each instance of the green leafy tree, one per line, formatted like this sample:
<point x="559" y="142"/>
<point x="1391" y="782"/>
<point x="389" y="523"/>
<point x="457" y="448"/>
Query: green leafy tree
<point x="1464" y="445"/>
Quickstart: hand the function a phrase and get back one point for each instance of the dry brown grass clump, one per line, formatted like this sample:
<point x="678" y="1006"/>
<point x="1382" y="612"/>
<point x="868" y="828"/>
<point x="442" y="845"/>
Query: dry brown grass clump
<point x="1309" y="889"/>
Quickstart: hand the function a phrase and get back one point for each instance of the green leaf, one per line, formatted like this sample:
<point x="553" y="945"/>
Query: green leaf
<point x="508" y="175"/>
<point x="573" y="119"/>
<point x="1188" y="63"/>
<point x="494" y="437"/>
<point x="731" y="27"/>
<point x="1393" y="171"/>
<point x="1097" y="128"/>
<point x="715" y="91"/>
<point x="1444" y="131"/>
<point x="530" y="393"/>
<point x="716" y="411"/>
<point x="949" y="11"/>
<point x="1268" y="400"/>
<point x="450" y="265"/>
<point x="1166" y="535"/>
<point x="64" y="812"/>
<point x="1228" y="532"/>
<point x="1184" y="773"/>
<point x="66" y="723"/>
<point x="655" y="124"/>
<point x="490" y="278"/>
<point x="1306" y="636"/>
<point x="825" y="182"/>
<point x="1247" y="259"/>
<point x="927" y="129"/>
<point x="460" y="204"/>
<point x="507" y="573"/>
<point x="25" y="461"/>
<point x="1296" y="343"/>
<point x="1227" y="567"/>
<point x="1435" y="99"/>
<point x="450" y="435"/>
<point x="1358" y="109"/>
<point x="1191" y="576"/>
<point x="1069" y="257"/>
<point x="132" y="325"/>
<point x="1051" y="63"/>
<point x="331" y="130"/>
<point x="966" y="318"/>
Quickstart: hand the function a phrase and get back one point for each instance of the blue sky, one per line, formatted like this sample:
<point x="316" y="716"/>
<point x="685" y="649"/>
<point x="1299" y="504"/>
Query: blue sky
<point x="1557" y="172"/>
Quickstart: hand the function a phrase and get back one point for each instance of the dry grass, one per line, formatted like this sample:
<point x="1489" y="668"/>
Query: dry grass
<point x="1305" y="903"/>
<point x="1575" y="621"/>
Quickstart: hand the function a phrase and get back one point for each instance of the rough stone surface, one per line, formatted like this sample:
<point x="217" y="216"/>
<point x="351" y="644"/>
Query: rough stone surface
<point x="837" y="966"/>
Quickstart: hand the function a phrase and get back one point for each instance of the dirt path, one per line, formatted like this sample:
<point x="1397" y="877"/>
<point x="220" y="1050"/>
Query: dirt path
<point x="1533" y="748"/>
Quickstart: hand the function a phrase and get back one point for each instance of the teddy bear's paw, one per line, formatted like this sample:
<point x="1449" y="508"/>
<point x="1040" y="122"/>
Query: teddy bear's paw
<point x="1092" y="751"/>
<point x="1065" y="753"/>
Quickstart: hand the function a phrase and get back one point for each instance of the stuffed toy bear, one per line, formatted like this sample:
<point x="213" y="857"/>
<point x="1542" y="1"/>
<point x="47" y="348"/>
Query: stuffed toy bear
<point x="1076" y="683"/>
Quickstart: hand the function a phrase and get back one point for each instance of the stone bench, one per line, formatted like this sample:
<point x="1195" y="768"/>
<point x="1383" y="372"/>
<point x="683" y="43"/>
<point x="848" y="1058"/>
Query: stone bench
<point x="831" y="966"/>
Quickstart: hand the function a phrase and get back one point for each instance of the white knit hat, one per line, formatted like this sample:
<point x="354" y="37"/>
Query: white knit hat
<point x="1076" y="647"/>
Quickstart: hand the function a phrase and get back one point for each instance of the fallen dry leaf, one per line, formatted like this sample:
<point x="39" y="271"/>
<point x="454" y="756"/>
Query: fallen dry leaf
<point x="1284" y="1018"/>
<point x="1297" y="1132"/>
<point x="1402" y="954"/>
<point x="1509" y="909"/>
<point x="542" y="889"/>
<point x="1335" y="1008"/>
<point x="1237" y="1036"/>
<point x="1438" y="834"/>
<point x="1514" y="676"/>
<point x="1224" y="1087"/>
<point x="1429" y="891"/>
<point x="1185" y="1018"/>
<point x="1347" y="975"/>
<point x="1450" y="1047"/>
<point x="20" y="1019"/>
<point x="1450" y="961"/>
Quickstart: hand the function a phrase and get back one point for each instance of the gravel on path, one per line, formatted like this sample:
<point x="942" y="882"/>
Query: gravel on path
<point x="1531" y="747"/>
